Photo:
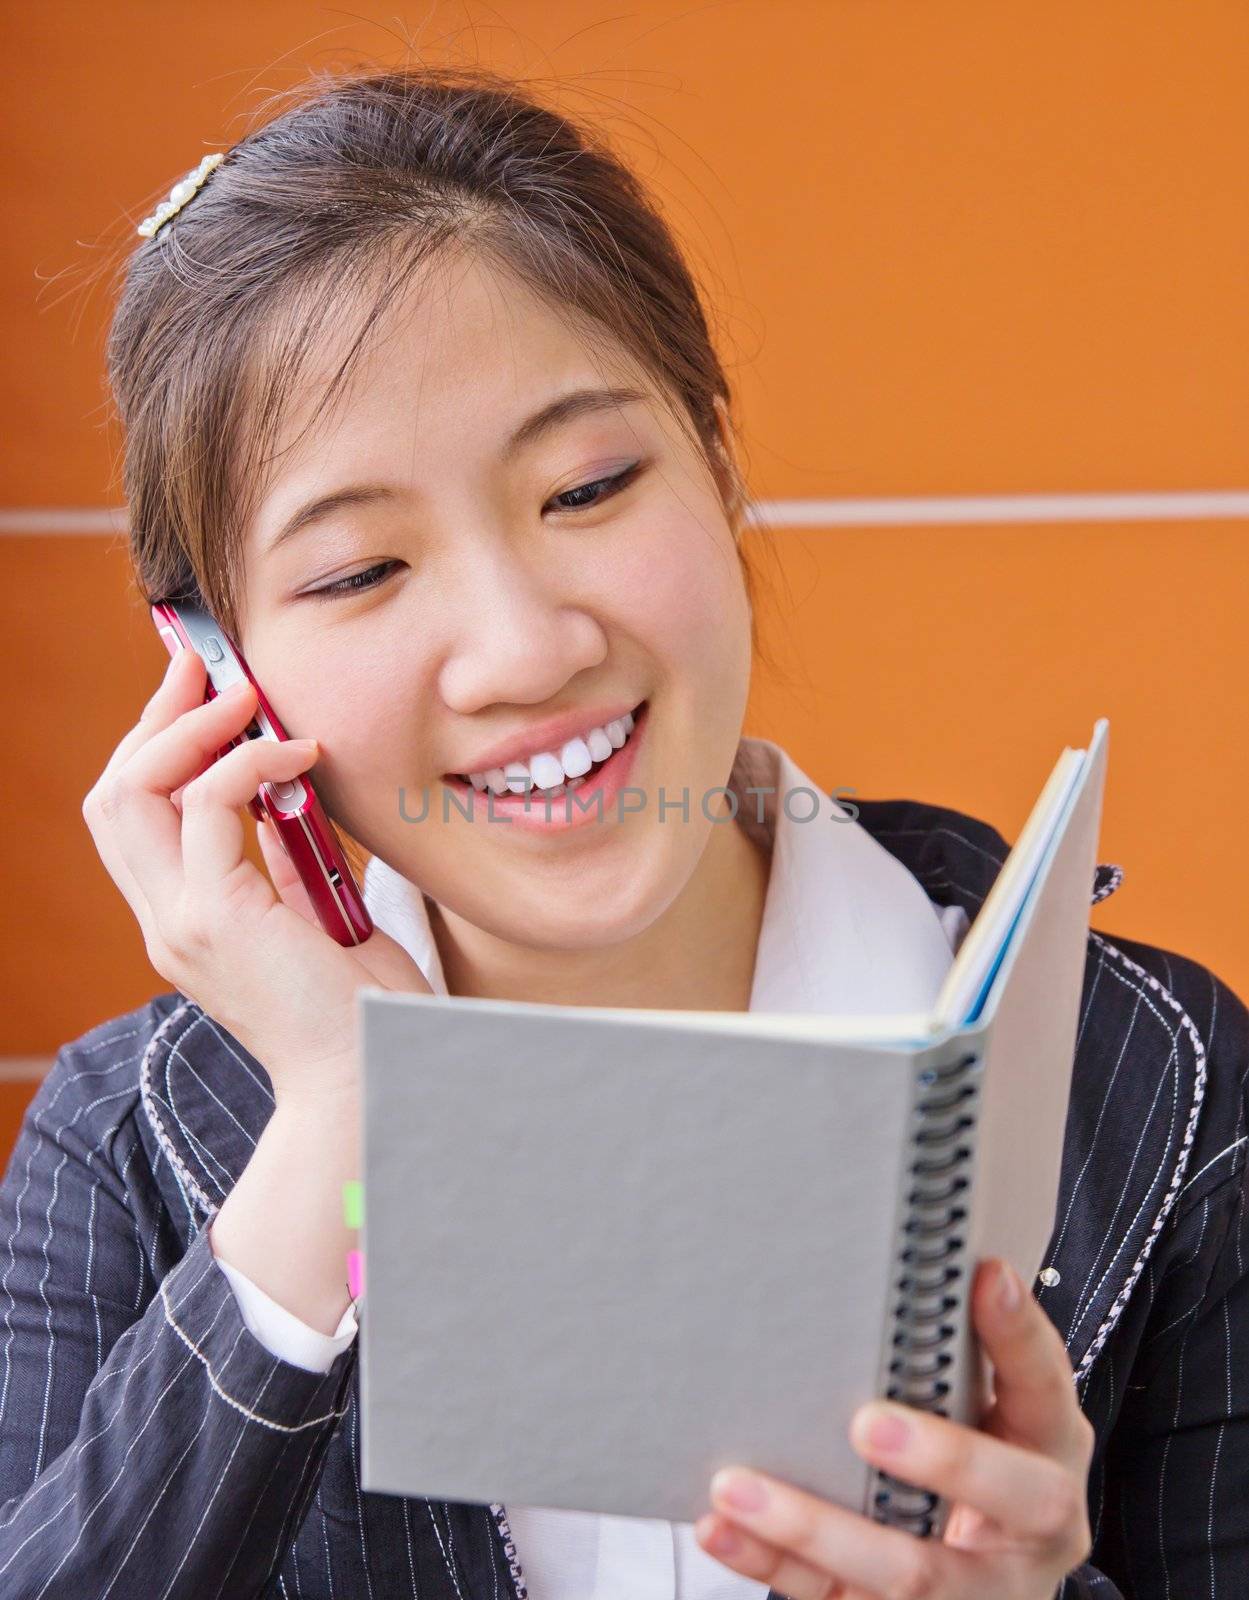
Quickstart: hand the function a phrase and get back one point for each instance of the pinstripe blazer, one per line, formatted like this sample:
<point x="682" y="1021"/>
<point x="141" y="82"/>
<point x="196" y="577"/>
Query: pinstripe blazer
<point x="151" y="1447"/>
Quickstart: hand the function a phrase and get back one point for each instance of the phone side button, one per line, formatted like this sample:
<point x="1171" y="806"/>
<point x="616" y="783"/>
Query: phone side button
<point x="287" y="796"/>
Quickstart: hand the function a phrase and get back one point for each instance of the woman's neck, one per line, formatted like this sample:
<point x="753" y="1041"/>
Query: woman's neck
<point x="699" y="955"/>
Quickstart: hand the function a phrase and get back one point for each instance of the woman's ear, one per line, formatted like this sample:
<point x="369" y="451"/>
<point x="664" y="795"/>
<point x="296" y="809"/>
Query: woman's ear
<point x="726" y="428"/>
<point x="727" y="446"/>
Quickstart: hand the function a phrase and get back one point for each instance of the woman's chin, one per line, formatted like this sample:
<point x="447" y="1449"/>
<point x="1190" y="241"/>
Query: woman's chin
<point x="575" y="928"/>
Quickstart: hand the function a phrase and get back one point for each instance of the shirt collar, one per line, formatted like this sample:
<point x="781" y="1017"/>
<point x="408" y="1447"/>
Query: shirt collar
<point x="846" y="928"/>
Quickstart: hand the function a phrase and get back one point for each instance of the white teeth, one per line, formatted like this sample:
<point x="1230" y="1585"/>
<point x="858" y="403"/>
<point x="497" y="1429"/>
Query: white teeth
<point x="547" y="771"/>
<point x="598" y="744"/>
<point x="575" y="758"/>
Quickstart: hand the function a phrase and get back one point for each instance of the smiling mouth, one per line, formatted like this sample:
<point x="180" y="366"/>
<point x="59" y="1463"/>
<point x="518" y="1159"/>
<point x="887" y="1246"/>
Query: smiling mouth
<point x="462" y="781"/>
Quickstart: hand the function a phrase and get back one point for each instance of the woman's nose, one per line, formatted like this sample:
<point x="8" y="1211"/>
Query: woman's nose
<point x="517" y="639"/>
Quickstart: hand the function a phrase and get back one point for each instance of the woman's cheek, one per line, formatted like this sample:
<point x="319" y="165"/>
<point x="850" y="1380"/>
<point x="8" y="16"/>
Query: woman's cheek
<point x="686" y="597"/>
<point x="366" y="728"/>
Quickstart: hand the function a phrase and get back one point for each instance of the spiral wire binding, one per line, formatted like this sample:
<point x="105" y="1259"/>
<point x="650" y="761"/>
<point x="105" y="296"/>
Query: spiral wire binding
<point x="932" y="1258"/>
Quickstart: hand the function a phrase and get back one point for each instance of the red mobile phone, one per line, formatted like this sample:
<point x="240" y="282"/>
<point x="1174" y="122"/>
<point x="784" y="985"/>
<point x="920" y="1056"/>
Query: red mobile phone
<point x="293" y="807"/>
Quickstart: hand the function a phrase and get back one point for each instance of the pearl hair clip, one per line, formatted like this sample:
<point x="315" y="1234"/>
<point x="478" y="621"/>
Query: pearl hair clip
<point x="181" y="192"/>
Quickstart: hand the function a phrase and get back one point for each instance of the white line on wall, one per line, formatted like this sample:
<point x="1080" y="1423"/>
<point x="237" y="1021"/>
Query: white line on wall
<point x="23" y="1069"/>
<point x="1198" y="505"/>
<point x="1189" y="505"/>
<point x="51" y="519"/>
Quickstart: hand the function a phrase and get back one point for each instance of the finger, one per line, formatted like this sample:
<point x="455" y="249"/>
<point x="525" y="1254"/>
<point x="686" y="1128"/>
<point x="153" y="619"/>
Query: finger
<point x="212" y="827"/>
<point x="844" y="1545"/>
<point x="181" y="689"/>
<point x="136" y="827"/>
<point x="185" y="677"/>
<point x="175" y="798"/>
<point x="1035" y="1401"/>
<point x="755" y="1558"/>
<point x="282" y="870"/>
<point x="140" y="837"/>
<point x="1033" y="1496"/>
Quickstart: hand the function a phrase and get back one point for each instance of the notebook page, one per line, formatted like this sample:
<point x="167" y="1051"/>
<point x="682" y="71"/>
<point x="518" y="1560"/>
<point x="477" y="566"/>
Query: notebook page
<point x="990" y="932"/>
<point x="1030" y="1021"/>
<point x="900" y="1028"/>
<point x="580" y="1254"/>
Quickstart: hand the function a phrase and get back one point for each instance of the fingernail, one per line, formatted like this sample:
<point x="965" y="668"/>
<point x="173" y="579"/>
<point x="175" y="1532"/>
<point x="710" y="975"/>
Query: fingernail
<point x="1009" y="1288"/>
<point x="741" y="1490"/>
<point x="886" y="1428"/>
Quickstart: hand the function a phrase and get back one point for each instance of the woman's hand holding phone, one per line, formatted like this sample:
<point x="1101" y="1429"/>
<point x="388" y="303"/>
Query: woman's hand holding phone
<point x="165" y="818"/>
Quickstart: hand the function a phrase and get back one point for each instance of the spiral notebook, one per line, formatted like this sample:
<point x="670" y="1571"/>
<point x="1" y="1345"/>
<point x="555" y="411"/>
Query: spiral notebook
<point x="609" y="1251"/>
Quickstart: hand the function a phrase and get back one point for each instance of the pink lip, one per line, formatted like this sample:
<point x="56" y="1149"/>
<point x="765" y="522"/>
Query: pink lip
<point x="594" y="798"/>
<point x="548" y="735"/>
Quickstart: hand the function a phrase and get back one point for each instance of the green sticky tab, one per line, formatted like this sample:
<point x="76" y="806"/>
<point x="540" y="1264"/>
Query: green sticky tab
<point x="353" y="1204"/>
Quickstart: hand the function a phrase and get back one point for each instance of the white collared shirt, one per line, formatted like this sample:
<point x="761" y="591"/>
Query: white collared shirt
<point x="846" y="929"/>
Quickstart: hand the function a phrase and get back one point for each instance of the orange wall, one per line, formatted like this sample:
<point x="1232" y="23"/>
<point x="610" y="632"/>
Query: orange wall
<point x="956" y="248"/>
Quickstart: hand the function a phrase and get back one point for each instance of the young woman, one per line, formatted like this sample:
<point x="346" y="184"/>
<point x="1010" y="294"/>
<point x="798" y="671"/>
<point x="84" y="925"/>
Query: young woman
<point x="421" y="403"/>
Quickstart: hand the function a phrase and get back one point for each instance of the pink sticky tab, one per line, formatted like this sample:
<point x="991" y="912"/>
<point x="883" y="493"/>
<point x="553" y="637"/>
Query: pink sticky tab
<point x="355" y="1273"/>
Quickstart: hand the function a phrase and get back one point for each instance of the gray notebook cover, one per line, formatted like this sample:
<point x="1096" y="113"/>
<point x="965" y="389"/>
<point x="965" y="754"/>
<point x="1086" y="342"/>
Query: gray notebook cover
<point x="603" y="1259"/>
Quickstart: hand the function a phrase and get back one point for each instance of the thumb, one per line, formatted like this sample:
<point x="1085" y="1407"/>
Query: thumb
<point x="385" y="961"/>
<point x="283" y="873"/>
<point x="389" y="965"/>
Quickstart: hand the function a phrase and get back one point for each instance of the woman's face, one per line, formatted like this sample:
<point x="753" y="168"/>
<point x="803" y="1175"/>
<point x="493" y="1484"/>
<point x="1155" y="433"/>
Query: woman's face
<point x="484" y="611"/>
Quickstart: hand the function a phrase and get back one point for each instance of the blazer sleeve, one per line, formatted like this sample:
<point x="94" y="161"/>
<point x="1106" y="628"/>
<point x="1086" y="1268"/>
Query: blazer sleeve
<point x="1170" y="1509"/>
<point x="144" y="1430"/>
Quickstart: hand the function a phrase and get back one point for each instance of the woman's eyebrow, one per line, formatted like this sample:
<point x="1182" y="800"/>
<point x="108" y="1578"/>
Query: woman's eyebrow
<point x="576" y="403"/>
<point x="564" y="408"/>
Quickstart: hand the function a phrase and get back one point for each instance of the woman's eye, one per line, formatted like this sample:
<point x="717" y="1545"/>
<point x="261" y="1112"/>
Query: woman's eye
<point x="582" y="498"/>
<point x="355" y="584"/>
<point x="608" y="486"/>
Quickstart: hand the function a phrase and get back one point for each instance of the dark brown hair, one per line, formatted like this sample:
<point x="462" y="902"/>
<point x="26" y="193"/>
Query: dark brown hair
<point x="342" y="198"/>
<point x="336" y="202"/>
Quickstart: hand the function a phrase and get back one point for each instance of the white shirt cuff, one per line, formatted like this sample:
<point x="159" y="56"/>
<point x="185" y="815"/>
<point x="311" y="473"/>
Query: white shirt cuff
<point x="282" y="1333"/>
